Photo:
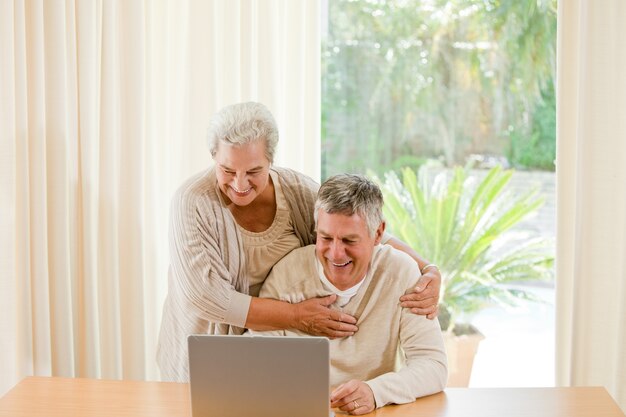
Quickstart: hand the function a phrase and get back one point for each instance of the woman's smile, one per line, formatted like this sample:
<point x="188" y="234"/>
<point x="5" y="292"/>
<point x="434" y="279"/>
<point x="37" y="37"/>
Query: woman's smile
<point x="242" y="193"/>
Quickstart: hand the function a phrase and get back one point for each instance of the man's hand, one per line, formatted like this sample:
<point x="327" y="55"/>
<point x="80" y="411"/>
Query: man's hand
<point x="354" y="397"/>
<point x="424" y="297"/>
<point x="314" y="317"/>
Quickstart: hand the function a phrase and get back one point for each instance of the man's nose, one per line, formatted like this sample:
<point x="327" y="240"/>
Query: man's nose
<point x="337" y="250"/>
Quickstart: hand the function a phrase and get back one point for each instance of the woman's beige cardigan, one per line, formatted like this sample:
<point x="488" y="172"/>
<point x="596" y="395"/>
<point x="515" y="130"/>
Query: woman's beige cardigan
<point x="208" y="283"/>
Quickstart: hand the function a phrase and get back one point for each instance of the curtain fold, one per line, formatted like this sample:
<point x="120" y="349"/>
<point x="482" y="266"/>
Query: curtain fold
<point x="10" y="291"/>
<point x="104" y="108"/>
<point x="591" y="197"/>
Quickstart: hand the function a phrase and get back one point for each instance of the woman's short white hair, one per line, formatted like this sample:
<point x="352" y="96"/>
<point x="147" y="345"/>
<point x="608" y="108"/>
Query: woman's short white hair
<point x="242" y="123"/>
<point x="351" y="194"/>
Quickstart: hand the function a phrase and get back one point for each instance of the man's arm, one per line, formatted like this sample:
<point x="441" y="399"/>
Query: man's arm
<point x="426" y="370"/>
<point x="425" y="373"/>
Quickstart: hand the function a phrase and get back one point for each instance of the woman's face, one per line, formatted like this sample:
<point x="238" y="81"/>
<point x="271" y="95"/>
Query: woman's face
<point x="242" y="171"/>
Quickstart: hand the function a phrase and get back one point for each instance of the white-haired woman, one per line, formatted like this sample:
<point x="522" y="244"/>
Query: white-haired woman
<point x="229" y="226"/>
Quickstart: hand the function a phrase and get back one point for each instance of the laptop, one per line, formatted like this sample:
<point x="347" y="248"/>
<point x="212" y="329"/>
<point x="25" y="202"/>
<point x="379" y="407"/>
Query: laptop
<point x="259" y="376"/>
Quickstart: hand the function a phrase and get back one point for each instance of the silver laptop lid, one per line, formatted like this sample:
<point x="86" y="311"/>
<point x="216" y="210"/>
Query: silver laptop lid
<point x="259" y="376"/>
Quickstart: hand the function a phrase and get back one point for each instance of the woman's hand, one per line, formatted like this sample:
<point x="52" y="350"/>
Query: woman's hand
<point x="354" y="397"/>
<point x="424" y="297"/>
<point x="314" y="317"/>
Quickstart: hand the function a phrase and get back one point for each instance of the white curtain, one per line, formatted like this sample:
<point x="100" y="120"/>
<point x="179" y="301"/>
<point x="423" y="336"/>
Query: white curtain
<point x="591" y="195"/>
<point x="103" y="111"/>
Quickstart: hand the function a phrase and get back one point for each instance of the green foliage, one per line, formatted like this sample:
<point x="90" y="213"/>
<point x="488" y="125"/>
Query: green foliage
<point x="537" y="149"/>
<point x="438" y="79"/>
<point x="461" y="226"/>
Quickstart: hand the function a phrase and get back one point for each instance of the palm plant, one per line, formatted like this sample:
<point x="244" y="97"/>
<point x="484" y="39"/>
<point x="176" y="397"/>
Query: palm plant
<point x="462" y="224"/>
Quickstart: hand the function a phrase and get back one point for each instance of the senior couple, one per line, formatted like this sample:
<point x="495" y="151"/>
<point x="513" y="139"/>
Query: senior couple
<point x="257" y="247"/>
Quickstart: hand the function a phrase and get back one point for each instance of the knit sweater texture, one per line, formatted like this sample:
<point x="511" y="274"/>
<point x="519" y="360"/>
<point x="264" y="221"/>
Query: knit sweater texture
<point x="400" y="355"/>
<point x="208" y="281"/>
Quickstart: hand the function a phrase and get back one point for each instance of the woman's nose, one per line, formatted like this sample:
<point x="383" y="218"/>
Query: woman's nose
<point x="241" y="181"/>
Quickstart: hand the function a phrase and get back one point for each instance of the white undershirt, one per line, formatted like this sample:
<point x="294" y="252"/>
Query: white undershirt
<point x="343" y="297"/>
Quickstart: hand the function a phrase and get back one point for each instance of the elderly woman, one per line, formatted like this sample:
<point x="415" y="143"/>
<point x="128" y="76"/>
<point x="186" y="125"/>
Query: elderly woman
<point x="229" y="226"/>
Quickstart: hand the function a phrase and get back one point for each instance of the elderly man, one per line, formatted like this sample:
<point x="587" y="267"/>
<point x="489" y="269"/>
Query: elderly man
<point x="368" y="278"/>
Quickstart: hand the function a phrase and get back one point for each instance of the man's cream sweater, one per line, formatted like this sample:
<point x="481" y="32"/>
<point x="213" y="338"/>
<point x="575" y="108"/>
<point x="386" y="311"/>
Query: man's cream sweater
<point x="385" y="328"/>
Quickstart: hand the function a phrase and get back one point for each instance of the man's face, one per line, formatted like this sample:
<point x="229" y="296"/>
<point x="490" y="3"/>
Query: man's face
<point x="344" y="247"/>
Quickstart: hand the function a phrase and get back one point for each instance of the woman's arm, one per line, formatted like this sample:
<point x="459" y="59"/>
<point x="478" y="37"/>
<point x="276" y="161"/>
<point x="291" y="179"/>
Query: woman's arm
<point x="424" y="297"/>
<point x="311" y="316"/>
<point x="276" y="309"/>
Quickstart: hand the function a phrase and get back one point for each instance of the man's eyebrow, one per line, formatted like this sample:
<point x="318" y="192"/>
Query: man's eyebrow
<point x="351" y="236"/>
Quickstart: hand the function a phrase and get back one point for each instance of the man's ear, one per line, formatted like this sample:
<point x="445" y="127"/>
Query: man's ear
<point x="379" y="233"/>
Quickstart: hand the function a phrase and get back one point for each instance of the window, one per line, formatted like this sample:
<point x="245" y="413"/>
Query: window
<point x="434" y="85"/>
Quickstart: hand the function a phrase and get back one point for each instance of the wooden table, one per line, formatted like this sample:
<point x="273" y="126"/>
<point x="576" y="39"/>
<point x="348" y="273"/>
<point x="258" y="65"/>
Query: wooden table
<point x="56" y="397"/>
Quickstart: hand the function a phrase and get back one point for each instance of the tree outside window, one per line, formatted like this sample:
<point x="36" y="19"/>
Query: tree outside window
<point x="434" y="85"/>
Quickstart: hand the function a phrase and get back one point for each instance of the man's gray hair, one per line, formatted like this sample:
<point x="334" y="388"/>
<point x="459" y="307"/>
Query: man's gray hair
<point x="242" y="123"/>
<point x="350" y="194"/>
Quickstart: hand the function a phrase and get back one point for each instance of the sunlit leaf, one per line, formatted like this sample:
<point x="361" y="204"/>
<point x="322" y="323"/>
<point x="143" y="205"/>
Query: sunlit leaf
<point x="463" y="228"/>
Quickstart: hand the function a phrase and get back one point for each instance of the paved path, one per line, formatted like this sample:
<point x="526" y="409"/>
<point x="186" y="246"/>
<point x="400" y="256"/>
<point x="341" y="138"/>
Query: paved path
<point x="518" y="349"/>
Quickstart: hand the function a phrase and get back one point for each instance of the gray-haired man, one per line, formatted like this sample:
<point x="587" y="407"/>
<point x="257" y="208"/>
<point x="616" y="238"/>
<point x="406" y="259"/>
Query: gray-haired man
<point x="348" y="260"/>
